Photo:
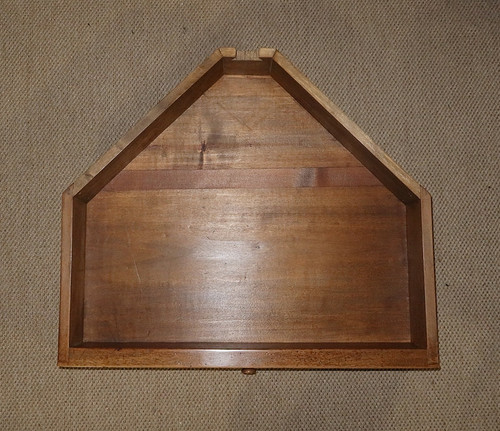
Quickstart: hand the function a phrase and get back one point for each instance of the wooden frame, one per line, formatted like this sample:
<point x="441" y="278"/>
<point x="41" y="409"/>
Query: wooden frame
<point x="420" y="350"/>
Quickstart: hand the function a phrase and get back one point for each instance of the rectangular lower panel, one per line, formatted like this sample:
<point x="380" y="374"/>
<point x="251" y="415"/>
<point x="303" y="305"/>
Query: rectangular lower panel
<point x="308" y="265"/>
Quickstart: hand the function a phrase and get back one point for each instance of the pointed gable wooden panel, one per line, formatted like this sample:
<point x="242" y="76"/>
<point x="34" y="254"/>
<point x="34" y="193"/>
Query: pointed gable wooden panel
<point x="245" y="222"/>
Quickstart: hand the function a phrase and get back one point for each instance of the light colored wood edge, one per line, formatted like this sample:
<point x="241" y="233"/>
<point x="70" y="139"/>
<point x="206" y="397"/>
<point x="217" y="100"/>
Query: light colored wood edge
<point x="243" y="55"/>
<point x="266" y="52"/>
<point x="228" y="52"/>
<point x="429" y="278"/>
<point x="228" y="358"/>
<point x="148" y="119"/>
<point x="347" y="124"/>
<point x="231" y="52"/>
<point x="65" y="280"/>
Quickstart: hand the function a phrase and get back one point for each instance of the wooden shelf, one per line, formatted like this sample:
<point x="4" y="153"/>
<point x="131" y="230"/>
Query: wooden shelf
<point x="245" y="222"/>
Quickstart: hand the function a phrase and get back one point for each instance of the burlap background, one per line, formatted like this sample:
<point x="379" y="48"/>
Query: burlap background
<point x="421" y="78"/>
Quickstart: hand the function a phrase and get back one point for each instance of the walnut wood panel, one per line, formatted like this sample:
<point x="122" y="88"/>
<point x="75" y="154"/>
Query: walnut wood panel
<point x="236" y="265"/>
<point x="244" y="122"/>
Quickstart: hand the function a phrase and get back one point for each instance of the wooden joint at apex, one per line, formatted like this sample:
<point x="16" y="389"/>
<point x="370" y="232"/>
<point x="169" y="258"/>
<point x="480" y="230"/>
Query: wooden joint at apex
<point x="252" y="55"/>
<point x="266" y="52"/>
<point x="228" y="52"/>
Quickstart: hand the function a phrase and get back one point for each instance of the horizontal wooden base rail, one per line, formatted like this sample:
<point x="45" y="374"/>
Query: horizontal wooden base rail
<point x="260" y="359"/>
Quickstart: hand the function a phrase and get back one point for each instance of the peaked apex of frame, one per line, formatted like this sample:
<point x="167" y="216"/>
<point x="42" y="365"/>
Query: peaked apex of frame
<point x="262" y="61"/>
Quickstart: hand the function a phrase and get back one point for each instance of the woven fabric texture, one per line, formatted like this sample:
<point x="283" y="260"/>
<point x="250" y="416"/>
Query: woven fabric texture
<point x="420" y="77"/>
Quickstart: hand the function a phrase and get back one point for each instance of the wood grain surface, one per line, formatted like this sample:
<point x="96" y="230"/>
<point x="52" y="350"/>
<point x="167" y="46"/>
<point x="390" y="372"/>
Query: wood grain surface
<point x="246" y="222"/>
<point x="218" y="233"/>
<point x="257" y="265"/>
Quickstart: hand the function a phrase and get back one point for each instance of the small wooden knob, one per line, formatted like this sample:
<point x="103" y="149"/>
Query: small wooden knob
<point x="248" y="371"/>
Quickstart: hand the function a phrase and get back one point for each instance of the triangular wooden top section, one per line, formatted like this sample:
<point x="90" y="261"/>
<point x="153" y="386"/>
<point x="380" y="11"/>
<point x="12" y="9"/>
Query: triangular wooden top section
<point x="264" y="61"/>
